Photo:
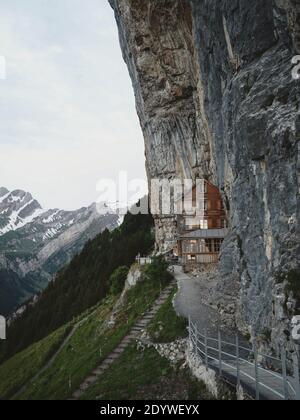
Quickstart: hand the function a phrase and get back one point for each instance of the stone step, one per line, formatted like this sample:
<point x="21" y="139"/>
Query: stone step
<point x="143" y="321"/>
<point x="135" y="332"/>
<point x="83" y="387"/>
<point x="127" y="341"/>
<point x="113" y="356"/>
<point x="140" y="327"/>
<point x="129" y="338"/>
<point x="107" y="363"/>
<point x="143" y="324"/>
<point x="77" y="394"/>
<point x="159" y="303"/>
<point x="119" y="350"/>
<point x="91" y="379"/>
<point x="98" y="371"/>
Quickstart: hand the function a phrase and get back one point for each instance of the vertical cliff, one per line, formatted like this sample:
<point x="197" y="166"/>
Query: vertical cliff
<point x="158" y="46"/>
<point x="216" y="99"/>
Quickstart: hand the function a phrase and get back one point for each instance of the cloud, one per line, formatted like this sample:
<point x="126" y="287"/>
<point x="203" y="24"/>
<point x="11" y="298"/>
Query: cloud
<point x="67" y="108"/>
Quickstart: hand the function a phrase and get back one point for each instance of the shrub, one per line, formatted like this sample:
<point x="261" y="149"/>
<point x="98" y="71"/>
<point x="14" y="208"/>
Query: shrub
<point x="158" y="270"/>
<point x="117" y="280"/>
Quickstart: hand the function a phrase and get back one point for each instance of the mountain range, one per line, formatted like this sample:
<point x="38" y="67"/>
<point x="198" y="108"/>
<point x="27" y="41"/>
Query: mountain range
<point x="36" y="243"/>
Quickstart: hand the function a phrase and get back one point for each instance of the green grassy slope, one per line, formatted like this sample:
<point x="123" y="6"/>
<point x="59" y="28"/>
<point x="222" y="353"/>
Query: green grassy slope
<point x="91" y="343"/>
<point x="145" y="375"/>
<point x="166" y="325"/>
<point x="23" y="366"/>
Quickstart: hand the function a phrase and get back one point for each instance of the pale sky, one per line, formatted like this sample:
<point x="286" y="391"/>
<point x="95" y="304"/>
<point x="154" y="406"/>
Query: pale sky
<point x="67" y="112"/>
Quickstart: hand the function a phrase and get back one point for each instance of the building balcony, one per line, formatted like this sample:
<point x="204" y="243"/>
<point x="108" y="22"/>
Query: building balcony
<point x="205" y="234"/>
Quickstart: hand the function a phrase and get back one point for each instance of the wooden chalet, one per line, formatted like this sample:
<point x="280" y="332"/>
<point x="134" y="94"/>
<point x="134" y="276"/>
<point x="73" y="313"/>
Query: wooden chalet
<point x="202" y="225"/>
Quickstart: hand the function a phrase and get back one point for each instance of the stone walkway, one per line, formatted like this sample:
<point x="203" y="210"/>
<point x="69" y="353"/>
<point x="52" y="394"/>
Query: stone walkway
<point x="189" y="303"/>
<point x="134" y="333"/>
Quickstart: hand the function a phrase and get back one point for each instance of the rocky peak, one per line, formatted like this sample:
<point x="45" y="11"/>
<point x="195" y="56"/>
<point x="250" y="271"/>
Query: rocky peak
<point x="3" y="191"/>
<point x="17" y="208"/>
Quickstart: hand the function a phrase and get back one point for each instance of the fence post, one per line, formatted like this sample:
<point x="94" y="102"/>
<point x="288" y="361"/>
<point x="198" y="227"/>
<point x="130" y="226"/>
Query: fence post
<point x="196" y="339"/>
<point x="220" y="351"/>
<point x="284" y="374"/>
<point x="256" y="370"/>
<point x="296" y="372"/>
<point x="205" y="342"/>
<point x="238" y="375"/>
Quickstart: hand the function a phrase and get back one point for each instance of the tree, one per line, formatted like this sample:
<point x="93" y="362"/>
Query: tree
<point x="117" y="280"/>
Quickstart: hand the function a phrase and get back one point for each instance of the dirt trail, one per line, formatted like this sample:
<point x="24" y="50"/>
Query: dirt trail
<point x="53" y="358"/>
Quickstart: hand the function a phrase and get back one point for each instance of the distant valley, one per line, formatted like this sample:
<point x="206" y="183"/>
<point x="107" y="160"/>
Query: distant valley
<point x="36" y="243"/>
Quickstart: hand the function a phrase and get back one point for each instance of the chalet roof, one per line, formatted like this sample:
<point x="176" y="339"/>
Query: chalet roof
<point x="205" y="234"/>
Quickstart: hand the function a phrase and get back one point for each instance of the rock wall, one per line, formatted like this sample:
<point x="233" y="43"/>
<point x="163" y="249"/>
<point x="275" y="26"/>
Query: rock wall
<point x="158" y="46"/>
<point x="216" y="99"/>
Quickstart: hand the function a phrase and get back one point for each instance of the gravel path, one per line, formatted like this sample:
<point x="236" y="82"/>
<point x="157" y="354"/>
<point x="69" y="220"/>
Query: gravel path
<point x="189" y="302"/>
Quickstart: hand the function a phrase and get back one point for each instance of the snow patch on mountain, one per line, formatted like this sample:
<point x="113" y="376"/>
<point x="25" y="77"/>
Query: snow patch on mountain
<point x="17" y="208"/>
<point x="44" y="240"/>
<point x="51" y="217"/>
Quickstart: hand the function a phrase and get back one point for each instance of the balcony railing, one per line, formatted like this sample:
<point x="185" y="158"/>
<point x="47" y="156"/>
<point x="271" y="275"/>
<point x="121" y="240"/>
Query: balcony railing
<point x="205" y="234"/>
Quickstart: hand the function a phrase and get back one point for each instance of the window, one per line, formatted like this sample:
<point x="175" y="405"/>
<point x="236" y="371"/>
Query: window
<point x="209" y="245"/>
<point x="203" y="224"/>
<point x="194" y="246"/>
<point x="217" y="245"/>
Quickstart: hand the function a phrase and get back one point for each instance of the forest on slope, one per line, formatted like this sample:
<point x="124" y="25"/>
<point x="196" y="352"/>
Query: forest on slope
<point x="82" y="284"/>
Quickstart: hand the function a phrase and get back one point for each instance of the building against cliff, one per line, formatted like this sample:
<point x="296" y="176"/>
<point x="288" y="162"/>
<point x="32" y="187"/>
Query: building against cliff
<point x="201" y="225"/>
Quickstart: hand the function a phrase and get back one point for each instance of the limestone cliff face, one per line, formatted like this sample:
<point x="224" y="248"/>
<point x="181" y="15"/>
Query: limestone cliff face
<point x="158" y="46"/>
<point x="216" y="99"/>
